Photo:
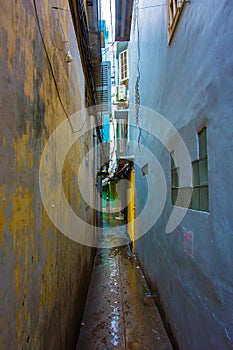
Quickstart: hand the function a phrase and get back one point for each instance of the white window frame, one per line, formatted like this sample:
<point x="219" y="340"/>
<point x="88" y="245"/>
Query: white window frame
<point x="123" y="69"/>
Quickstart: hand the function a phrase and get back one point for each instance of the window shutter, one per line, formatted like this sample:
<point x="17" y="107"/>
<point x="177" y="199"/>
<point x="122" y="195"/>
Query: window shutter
<point x="102" y="76"/>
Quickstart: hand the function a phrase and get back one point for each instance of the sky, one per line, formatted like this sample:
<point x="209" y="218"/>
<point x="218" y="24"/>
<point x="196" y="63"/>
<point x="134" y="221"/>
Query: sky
<point x="106" y="11"/>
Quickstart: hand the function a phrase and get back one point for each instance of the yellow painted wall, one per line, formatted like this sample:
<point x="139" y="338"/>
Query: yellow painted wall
<point x="43" y="274"/>
<point x="131" y="206"/>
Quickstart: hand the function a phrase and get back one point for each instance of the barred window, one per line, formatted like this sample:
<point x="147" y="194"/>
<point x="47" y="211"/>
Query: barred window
<point x="200" y="196"/>
<point x="200" y="192"/>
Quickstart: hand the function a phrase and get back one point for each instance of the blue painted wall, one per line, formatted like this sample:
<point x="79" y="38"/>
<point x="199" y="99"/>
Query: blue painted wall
<point x="190" y="83"/>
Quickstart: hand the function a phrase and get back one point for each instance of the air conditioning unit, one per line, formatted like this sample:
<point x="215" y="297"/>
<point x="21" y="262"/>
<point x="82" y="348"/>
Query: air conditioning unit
<point x="122" y="93"/>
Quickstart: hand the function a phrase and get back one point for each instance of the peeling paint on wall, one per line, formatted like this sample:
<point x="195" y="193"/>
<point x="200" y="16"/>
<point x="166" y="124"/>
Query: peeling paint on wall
<point x="44" y="275"/>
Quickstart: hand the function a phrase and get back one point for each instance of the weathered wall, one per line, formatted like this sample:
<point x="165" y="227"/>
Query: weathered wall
<point x="190" y="83"/>
<point x="43" y="275"/>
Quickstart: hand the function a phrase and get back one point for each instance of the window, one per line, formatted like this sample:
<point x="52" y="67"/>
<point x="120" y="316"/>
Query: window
<point x="102" y="77"/>
<point x="144" y="170"/>
<point x="185" y="192"/>
<point x="175" y="8"/>
<point x="174" y="180"/>
<point x="200" y="200"/>
<point x="123" y="65"/>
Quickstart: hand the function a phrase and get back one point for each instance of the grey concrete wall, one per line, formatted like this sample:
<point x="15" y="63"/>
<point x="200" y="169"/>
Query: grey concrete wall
<point x="190" y="83"/>
<point x="44" y="276"/>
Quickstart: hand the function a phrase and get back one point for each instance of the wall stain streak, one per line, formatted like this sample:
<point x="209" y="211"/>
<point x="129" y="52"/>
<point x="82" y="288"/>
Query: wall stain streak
<point x="44" y="275"/>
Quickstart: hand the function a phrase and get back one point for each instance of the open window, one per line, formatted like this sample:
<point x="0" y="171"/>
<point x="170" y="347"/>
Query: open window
<point x="175" y="8"/>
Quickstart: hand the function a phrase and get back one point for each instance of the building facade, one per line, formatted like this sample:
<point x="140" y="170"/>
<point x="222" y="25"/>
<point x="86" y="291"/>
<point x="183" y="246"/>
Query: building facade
<point x="180" y="62"/>
<point x="44" y="275"/>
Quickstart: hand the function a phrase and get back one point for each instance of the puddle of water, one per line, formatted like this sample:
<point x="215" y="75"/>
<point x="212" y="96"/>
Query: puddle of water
<point x="115" y="327"/>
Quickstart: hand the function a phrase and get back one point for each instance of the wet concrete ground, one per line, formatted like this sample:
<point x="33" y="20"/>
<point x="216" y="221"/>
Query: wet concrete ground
<point x="120" y="313"/>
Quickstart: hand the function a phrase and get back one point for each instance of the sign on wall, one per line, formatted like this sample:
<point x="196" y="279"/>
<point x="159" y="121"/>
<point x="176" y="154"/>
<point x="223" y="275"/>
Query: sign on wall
<point x="188" y="242"/>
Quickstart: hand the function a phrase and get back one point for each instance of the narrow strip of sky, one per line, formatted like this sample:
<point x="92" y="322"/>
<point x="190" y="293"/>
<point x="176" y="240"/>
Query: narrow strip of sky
<point x="106" y="15"/>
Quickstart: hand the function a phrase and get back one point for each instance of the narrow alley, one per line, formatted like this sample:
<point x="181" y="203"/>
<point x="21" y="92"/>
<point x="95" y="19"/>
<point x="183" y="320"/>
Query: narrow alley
<point x="120" y="312"/>
<point x="116" y="141"/>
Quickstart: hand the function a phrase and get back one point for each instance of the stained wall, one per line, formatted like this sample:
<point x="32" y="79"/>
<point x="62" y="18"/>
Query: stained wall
<point x="190" y="84"/>
<point x="44" y="275"/>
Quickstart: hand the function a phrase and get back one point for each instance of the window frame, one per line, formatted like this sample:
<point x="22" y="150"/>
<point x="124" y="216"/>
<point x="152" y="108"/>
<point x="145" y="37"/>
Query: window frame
<point x="124" y="69"/>
<point x="200" y="184"/>
<point x="174" y="179"/>
<point x="174" y="10"/>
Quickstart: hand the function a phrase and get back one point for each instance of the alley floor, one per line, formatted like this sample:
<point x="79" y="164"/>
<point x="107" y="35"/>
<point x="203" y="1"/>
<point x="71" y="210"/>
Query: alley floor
<point x="120" y="312"/>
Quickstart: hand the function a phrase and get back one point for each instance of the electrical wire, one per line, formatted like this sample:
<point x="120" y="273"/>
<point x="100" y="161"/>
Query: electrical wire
<point x="137" y="84"/>
<point x="147" y="7"/>
<point x="104" y="52"/>
<point x="112" y="32"/>
<point x="159" y="5"/>
<point x="114" y="139"/>
<point x="52" y="72"/>
<point x="107" y="49"/>
<point x="114" y="77"/>
<point x="135" y="14"/>
<point x="102" y="72"/>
